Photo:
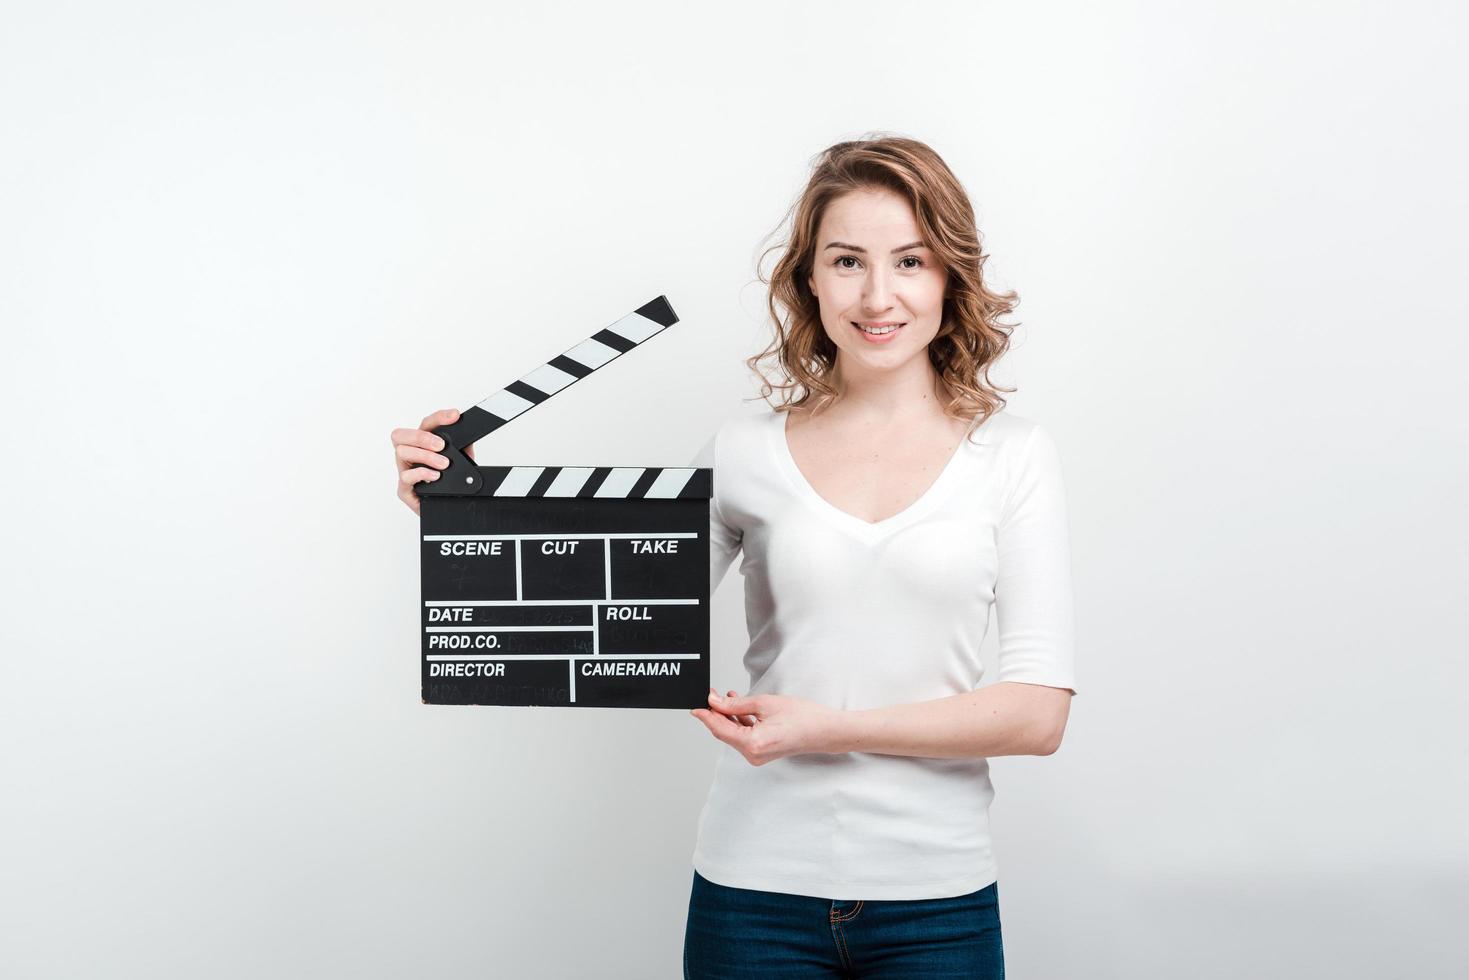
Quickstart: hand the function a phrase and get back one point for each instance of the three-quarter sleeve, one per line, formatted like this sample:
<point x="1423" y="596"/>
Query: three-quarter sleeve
<point x="724" y="538"/>
<point x="1033" y="594"/>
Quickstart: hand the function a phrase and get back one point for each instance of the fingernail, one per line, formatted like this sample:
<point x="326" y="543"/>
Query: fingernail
<point x="715" y="696"/>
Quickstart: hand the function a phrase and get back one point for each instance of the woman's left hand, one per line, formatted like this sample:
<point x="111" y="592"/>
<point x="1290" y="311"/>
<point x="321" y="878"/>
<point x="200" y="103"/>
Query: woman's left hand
<point x="767" y="727"/>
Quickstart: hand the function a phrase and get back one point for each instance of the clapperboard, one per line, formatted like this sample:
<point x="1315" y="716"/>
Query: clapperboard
<point x="578" y="586"/>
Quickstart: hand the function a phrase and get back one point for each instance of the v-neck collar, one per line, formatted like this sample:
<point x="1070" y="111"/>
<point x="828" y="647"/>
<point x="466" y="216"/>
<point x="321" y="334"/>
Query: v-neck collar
<point x="868" y="531"/>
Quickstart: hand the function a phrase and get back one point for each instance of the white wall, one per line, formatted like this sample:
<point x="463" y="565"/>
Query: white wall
<point x="241" y="243"/>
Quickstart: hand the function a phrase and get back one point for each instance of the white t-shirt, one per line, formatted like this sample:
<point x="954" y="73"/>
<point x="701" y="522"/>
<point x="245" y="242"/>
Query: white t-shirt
<point x="853" y="614"/>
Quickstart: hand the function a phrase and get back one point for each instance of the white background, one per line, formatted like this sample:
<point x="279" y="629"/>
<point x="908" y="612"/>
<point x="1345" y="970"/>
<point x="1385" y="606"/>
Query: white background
<point x="240" y="243"/>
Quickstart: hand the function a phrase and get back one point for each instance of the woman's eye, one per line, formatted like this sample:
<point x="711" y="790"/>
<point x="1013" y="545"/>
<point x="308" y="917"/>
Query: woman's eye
<point x="907" y="258"/>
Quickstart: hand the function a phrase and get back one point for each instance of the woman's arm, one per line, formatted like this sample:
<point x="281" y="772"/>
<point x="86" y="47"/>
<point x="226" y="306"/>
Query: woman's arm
<point x="1006" y="718"/>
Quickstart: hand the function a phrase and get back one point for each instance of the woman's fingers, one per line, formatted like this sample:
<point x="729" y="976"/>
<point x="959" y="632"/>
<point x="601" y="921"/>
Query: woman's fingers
<point x="721" y="726"/>
<point x="743" y="719"/>
<point x="417" y="437"/>
<point x="406" y="481"/>
<point x="414" y="439"/>
<point x="417" y="454"/>
<point x="747" y="721"/>
<point x="442" y="417"/>
<point x="421" y="438"/>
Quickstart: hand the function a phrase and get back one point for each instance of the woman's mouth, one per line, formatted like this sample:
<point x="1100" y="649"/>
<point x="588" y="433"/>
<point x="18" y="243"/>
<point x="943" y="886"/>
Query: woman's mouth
<point x="879" y="335"/>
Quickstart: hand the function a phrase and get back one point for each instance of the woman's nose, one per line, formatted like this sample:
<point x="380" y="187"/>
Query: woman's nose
<point x="877" y="293"/>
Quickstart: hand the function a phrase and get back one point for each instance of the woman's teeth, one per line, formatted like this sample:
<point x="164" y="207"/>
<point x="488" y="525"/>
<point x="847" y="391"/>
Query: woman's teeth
<point x="879" y="331"/>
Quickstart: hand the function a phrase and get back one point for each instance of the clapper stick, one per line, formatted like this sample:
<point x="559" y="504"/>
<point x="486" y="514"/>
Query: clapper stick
<point x="461" y="476"/>
<point x="582" y="586"/>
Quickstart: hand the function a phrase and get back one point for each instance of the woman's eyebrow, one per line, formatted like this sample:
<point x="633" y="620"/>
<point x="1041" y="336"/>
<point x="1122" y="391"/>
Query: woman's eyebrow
<point x="859" y="248"/>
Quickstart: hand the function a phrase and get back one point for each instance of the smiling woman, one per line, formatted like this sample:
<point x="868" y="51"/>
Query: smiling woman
<point x="885" y="509"/>
<point x="885" y="216"/>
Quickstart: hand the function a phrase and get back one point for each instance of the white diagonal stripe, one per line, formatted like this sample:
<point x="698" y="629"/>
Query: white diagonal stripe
<point x="619" y="481"/>
<point x="548" y="379"/>
<point x="569" y="481"/>
<point x="505" y="404"/>
<point x="636" y="327"/>
<point x="670" y="482"/>
<point x="592" y="353"/>
<point x="519" y="482"/>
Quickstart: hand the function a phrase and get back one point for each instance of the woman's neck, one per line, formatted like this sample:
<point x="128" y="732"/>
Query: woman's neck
<point x="909" y="392"/>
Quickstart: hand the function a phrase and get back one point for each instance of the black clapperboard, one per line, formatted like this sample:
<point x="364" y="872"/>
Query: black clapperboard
<point x="577" y="586"/>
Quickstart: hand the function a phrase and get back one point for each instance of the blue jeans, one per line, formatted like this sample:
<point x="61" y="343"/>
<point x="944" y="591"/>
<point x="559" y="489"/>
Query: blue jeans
<point x="737" y="933"/>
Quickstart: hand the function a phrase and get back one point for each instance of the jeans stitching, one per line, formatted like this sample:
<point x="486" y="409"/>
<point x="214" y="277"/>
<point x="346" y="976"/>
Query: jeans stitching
<point x="836" y="917"/>
<point x="841" y="941"/>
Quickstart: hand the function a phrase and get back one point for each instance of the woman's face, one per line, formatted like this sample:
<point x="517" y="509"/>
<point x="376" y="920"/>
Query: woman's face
<point x="871" y="269"/>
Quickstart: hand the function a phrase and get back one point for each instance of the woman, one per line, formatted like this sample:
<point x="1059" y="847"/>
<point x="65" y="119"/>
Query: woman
<point x="882" y="511"/>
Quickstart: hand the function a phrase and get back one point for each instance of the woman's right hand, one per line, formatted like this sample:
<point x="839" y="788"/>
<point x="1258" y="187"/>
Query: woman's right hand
<point x="421" y="446"/>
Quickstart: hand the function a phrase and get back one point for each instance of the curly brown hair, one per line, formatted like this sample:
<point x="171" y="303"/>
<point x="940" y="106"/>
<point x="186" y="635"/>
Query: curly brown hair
<point x="971" y="336"/>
